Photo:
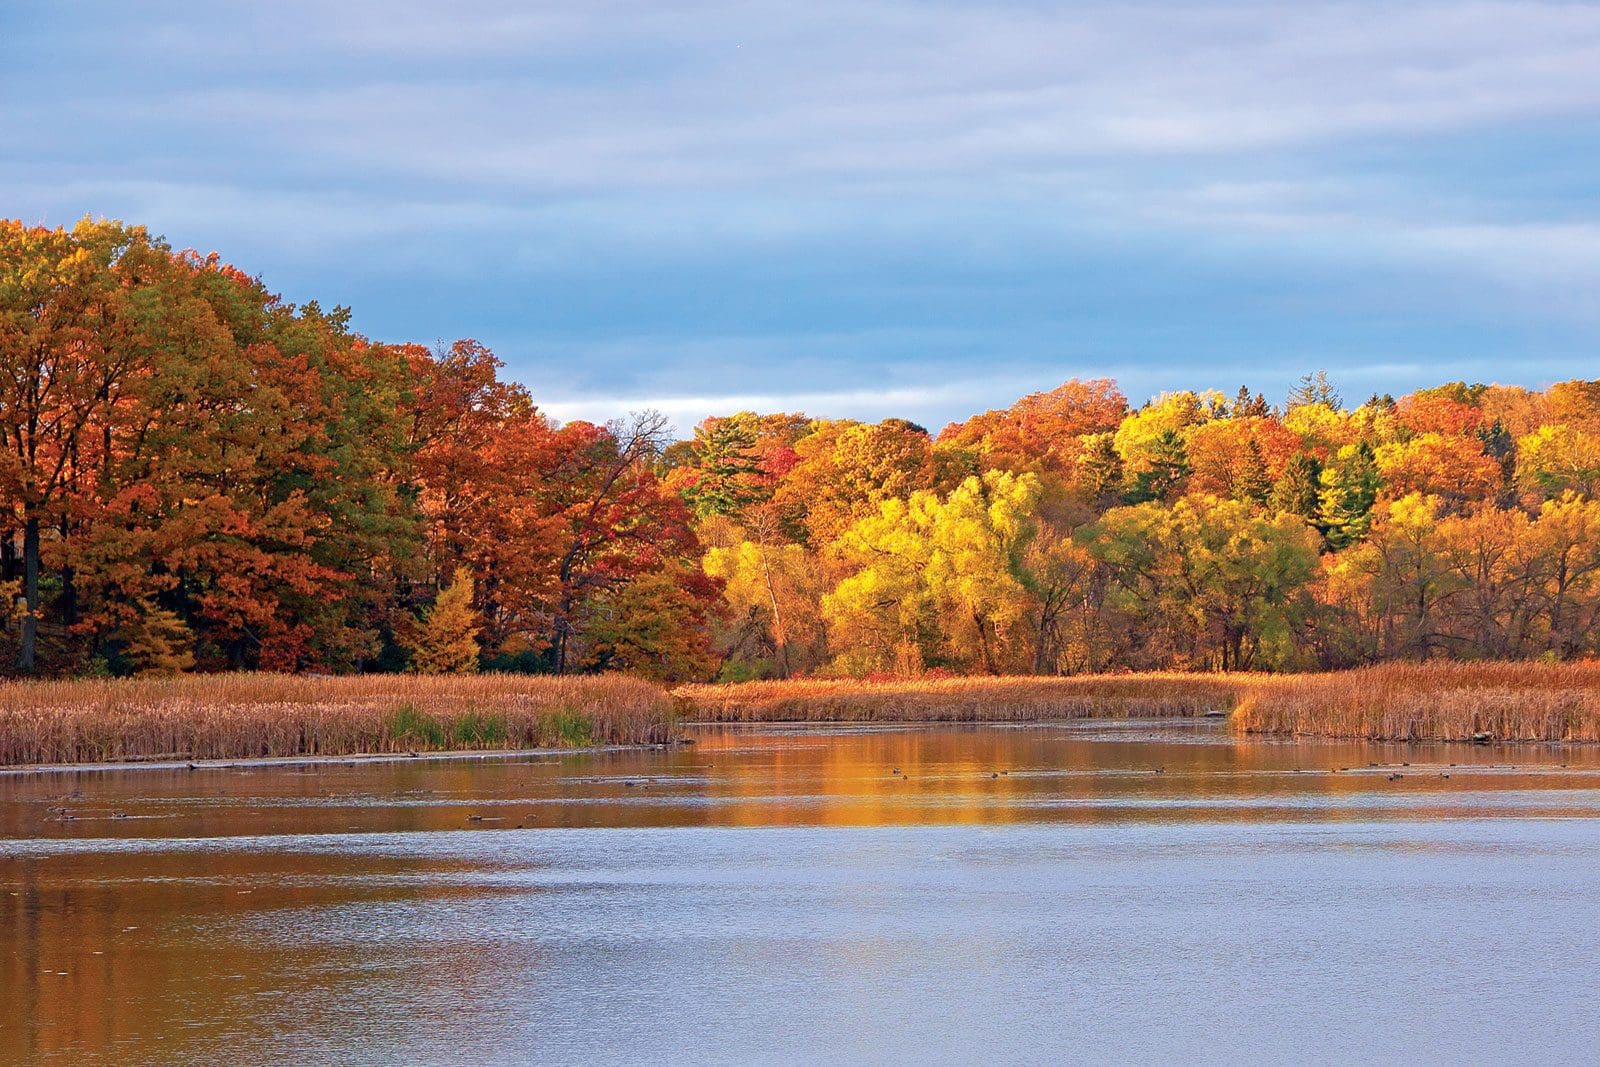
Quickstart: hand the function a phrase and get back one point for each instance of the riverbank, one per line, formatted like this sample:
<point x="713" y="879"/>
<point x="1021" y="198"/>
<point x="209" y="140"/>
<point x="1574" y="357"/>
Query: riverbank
<point x="270" y="716"/>
<point x="264" y="716"/>
<point x="1429" y="702"/>
<point x="984" y="699"/>
<point x="1391" y="702"/>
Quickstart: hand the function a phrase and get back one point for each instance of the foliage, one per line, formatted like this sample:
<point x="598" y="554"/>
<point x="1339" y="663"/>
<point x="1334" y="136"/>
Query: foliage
<point x="447" y="640"/>
<point x="197" y="475"/>
<point x="1218" y="581"/>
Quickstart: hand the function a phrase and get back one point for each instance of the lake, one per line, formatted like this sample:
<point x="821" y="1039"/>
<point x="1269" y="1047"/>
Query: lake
<point x="1093" y="892"/>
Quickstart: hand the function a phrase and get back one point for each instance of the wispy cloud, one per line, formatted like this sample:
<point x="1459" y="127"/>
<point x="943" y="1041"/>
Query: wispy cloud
<point x="710" y="200"/>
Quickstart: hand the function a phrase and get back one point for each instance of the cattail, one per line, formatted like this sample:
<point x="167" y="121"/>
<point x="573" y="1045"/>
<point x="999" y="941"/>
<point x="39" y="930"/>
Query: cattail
<point x="242" y="716"/>
<point x="1432" y="702"/>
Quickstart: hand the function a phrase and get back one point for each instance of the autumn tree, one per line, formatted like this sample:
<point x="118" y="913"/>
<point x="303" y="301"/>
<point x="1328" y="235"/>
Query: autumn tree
<point x="656" y="626"/>
<point x="66" y="345"/>
<point x="1452" y="467"/>
<point x="1559" y="458"/>
<point x="1411" y="577"/>
<point x="612" y="520"/>
<point x="1221" y="581"/>
<point x="774" y="591"/>
<point x="1042" y="432"/>
<point x="844" y="470"/>
<point x="939" y="578"/>
<point x="1567" y="540"/>
<point x="446" y="642"/>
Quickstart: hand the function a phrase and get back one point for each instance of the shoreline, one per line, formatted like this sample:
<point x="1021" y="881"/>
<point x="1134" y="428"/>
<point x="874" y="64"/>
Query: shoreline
<point x="1473" y="702"/>
<point x="233" y="717"/>
<point x="1220" y="722"/>
<point x="461" y="754"/>
<point x="259" y="719"/>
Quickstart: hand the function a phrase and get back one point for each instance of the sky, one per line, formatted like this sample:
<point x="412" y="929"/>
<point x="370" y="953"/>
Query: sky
<point x="856" y="208"/>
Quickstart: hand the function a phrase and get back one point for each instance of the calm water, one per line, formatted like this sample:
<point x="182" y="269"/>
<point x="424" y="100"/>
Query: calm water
<point x="1038" y="894"/>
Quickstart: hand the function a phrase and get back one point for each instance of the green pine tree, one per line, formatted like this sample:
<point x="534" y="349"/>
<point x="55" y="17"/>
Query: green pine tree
<point x="727" y="467"/>
<point x="1298" y="489"/>
<point x="1349" y="489"/>
<point x="1101" y="468"/>
<point x="1254" y="485"/>
<point x="1167" y="471"/>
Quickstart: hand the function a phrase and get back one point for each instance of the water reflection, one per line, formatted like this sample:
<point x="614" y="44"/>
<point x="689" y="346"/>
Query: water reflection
<point x="822" y="777"/>
<point x="1094" y="892"/>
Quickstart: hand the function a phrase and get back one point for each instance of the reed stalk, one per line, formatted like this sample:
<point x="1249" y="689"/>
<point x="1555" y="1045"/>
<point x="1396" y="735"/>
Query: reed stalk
<point x="1431" y="702"/>
<point x="986" y="699"/>
<point x="241" y="716"/>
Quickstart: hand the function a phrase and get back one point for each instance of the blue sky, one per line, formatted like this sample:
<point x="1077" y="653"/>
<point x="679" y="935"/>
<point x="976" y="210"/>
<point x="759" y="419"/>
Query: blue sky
<point x="861" y="208"/>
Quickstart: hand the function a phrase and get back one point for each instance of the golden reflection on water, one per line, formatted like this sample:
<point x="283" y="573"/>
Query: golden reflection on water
<point x="131" y="923"/>
<point x="742" y="776"/>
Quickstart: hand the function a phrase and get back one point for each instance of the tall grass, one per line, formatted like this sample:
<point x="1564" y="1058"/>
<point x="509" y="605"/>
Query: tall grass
<point x="1430" y="702"/>
<point x="239" y="716"/>
<point x="1392" y="702"/>
<point x="961" y="699"/>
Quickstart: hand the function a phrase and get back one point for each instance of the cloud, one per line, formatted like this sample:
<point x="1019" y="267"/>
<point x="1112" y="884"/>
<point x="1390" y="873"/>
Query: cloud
<point x="686" y="411"/>
<point x="709" y="201"/>
<point x="556" y="99"/>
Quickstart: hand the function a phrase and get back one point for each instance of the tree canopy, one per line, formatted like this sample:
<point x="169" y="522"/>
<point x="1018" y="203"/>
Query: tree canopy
<point x="198" y="475"/>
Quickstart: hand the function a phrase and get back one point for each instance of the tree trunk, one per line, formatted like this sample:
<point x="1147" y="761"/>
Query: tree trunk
<point x="779" y="633"/>
<point x="30" y="591"/>
<point x="69" y="587"/>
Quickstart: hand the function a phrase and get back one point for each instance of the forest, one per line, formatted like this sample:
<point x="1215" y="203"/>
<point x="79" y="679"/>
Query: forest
<point x="199" y="476"/>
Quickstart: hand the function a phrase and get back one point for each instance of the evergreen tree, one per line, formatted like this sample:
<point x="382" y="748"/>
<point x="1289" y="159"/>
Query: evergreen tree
<point x="1349" y="489"/>
<point x="1101" y="468"/>
<point x="1247" y="406"/>
<point x="1297" y="490"/>
<point x="156" y="641"/>
<point x="1167" y="470"/>
<point x="1498" y="444"/>
<point x="727" y="468"/>
<point x="1254" y="485"/>
<point x="1314" y="388"/>
<point x="447" y="640"/>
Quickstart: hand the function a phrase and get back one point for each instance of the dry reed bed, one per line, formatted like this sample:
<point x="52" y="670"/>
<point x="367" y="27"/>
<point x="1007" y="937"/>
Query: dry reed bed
<point x="1004" y="699"/>
<point x="240" y="716"/>
<point x="1430" y="702"/>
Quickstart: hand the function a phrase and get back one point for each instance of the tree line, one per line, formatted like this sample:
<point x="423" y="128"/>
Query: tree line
<point x="199" y="476"/>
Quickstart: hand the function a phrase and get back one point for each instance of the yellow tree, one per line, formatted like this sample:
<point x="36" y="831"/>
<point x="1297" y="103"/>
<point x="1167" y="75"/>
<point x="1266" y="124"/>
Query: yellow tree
<point x="976" y="574"/>
<point x="1501" y="572"/>
<point x="1452" y="466"/>
<point x="1567" y="538"/>
<point x="1413" y="581"/>
<point x="942" y="576"/>
<point x="879" y="616"/>
<point x="1559" y="458"/>
<point x="1220" y="579"/>
<point x="1153" y="442"/>
<point x="774" y="595"/>
<point x="155" y="641"/>
<point x="447" y="640"/>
